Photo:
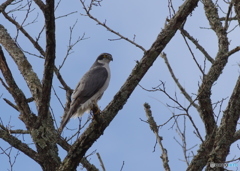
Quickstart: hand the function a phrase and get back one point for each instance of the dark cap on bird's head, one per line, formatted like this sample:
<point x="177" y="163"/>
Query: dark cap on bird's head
<point x="105" y="56"/>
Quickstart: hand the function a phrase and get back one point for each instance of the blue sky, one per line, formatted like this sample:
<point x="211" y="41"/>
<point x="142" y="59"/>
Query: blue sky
<point x="127" y="138"/>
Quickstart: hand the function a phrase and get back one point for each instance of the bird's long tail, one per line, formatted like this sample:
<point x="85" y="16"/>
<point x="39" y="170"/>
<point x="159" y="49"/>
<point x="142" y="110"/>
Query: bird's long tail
<point x="72" y="111"/>
<point x="64" y="121"/>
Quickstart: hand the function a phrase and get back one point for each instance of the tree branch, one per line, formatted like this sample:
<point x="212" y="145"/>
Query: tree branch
<point x="49" y="60"/>
<point x="5" y="4"/>
<point x="204" y="92"/>
<point x="63" y="143"/>
<point x="26" y="115"/>
<point x="236" y="136"/>
<point x="154" y="128"/>
<point x="236" y="4"/>
<point x="45" y="135"/>
<point x="24" y="66"/>
<point x="226" y="131"/>
<point x="11" y="104"/>
<point x="13" y="141"/>
<point x="41" y="5"/>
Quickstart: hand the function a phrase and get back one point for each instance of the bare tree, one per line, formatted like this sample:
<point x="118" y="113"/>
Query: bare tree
<point x="40" y="123"/>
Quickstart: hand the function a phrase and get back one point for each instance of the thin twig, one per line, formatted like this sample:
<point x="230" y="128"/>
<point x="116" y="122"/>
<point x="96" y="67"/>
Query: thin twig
<point x="179" y="107"/>
<point x="122" y="166"/>
<point x="174" y="116"/>
<point x="193" y="56"/>
<point x="226" y="25"/>
<point x="66" y="15"/>
<point x="55" y="93"/>
<point x="9" y="155"/>
<point x="87" y="10"/>
<point x="101" y="162"/>
<point x="79" y="129"/>
<point x="234" y="50"/>
<point x="71" y="44"/>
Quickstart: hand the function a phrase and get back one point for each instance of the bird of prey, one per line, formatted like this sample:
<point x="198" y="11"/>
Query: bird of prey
<point x="90" y="88"/>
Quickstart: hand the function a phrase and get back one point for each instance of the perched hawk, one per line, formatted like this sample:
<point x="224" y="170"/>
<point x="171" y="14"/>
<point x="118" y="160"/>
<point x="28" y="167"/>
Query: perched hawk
<point x="90" y="88"/>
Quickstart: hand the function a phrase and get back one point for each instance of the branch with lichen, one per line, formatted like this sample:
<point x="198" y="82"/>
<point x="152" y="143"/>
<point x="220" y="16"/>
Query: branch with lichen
<point x="204" y="93"/>
<point x="154" y="128"/>
<point x="23" y="64"/>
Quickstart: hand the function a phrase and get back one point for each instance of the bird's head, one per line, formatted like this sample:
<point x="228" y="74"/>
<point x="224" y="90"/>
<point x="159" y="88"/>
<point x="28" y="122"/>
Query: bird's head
<point x="104" y="58"/>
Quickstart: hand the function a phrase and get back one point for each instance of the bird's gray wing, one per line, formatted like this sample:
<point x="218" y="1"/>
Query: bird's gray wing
<point x="90" y="84"/>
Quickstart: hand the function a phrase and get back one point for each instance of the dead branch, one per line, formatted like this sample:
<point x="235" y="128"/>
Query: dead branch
<point x="154" y="128"/>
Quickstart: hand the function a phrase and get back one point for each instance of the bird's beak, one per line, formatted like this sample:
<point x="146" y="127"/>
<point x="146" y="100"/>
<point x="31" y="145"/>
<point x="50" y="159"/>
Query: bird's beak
<point x="110" y="58"/>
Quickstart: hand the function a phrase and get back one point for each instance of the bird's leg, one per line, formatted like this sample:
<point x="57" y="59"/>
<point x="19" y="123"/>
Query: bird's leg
<point x="95" y="109"/>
